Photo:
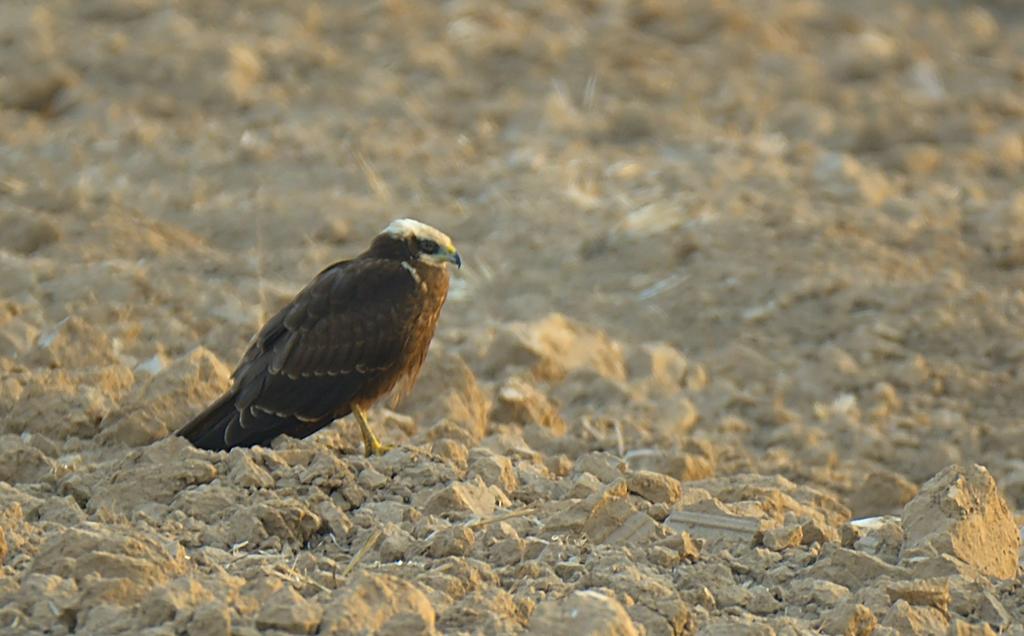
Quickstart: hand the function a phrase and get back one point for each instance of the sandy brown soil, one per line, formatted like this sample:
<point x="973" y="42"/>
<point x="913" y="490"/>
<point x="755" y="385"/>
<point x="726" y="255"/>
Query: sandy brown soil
<point x="737" y="348"/>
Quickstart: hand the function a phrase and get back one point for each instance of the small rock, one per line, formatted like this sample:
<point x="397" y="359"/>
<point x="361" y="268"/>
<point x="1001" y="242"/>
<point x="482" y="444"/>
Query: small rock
<point x="445" y="428"/>
<point x="155" y="473"/>
<point x="22" y="463"/>
<point x="288" y="611"/>
<point x="288" y="518"/>
<point x="879" y="536"/>
<point x="72" y="343"/>
<point x="104" y="617"/>
<point x="909" y="619"/>
<point x="716" y="526"/>
<point x="742" y="626"/>
<point x="558" y="465"/>
<point x="493" y="469"/>
<point x="941" y="565"/>
<point x="243" y="471"/>
<point x="472" y="496"/>
<point x="849" y="619"/>
<point x="672" y="418"/>
<point x="454" y="541"/>
<point x="584" y="391"/>
<point x="178" y="598"/>
<point x="815" y="531"/>
<point x="522" y="403"/>
<point x="609" y="513"/>
<point x="779" y="539"/>
<point x="852" y="569"/>
<point x="635" y="530"/>
<point x="584" y="485"/>
<point x="604" y="466"/>
<point x="659" y="511"/>
<point x="395" y="543"/>
<point x="882" y="493"/>
<point x="378" y="604"/>
<point x="571" y="514"/>
<point x="325" y="470"/>
<point x="335" y="518"/>
<point x="991" y="610"/>
<point x="553" y="346"/>
<point x="52" y="595"/>
<point x="102" y="551"/>
<point x="212" y="618"/>
<point x="961" y="512"/>
<point x="501" y="545"/>
<point x="26" y="233"/>
<point x="535" y="483"/>
<point x="930" y="593"/>
<point x="208" y="503"/>
<point x="654" y="487"/>
<point x="683" y="544"/>
<point x="680" y="465"/>
<point x="762" y="601"/>
<point x="807" y="591"/>
<point x="448" y="395"/>
<point x="589" y="613"/>
<point x="371" y="479"/>
<point x="663" y="557"/>
<point x="960" y="627"/>
<point x="162" y="402"/>
<point x="255" y="593"/>
<point x="452" y="451"/>
<point x="661" y="364"/>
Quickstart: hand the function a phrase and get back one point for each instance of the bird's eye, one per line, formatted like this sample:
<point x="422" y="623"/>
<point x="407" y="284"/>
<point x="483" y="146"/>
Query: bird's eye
<point x="428" y="246"/>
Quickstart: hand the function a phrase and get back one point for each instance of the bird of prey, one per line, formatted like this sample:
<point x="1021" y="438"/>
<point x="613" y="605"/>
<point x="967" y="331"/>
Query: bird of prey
<point x="357" y="330"/>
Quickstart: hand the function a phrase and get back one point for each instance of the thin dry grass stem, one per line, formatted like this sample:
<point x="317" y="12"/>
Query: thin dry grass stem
<point x="588" y="426"/>
<point x="362" y="553"/>
<point x="297" y="578"/>
<point x="620" y="439"/>
<point x="590" y="92"/>
<point x="277" y="566"/>
<point x="499" y="518"/>
<point x="372" y="178"/>
<point x="662" y="286"/>
<point x="250" y="557"/>
<point x="263" y="555"/>
<point x="315" y="250"/>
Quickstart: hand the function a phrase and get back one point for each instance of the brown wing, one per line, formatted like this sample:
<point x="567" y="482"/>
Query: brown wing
<point x="341" y="337"/>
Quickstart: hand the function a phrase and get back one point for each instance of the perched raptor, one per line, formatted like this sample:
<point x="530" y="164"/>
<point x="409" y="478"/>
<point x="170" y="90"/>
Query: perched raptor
<point x="361" y="327"/>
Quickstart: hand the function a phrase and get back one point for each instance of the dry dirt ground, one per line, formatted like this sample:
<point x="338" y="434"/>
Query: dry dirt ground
<point x="736" y="349"/>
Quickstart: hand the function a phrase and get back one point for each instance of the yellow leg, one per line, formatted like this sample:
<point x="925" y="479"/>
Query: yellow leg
<point x="371" y="445"/>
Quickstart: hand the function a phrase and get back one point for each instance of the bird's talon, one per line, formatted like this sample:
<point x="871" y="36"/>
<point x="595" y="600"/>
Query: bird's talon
<point x="374" y="447"/>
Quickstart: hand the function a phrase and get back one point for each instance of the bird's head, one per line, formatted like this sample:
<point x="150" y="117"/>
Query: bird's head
<point x="427" y="244"/>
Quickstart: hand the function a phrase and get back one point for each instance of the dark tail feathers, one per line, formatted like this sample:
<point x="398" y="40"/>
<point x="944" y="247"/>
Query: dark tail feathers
<point x="207" y="429"/>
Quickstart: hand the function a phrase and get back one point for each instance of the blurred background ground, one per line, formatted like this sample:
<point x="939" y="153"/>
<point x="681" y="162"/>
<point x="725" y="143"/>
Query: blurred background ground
<point x="772" y="251"/>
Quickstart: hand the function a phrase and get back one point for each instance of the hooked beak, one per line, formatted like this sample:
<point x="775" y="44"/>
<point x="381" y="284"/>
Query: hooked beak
<point x="455" y="258"/>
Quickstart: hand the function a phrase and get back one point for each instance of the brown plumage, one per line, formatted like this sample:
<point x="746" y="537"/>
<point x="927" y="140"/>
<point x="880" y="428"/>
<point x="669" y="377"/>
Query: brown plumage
<point x="357" y="330"/>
